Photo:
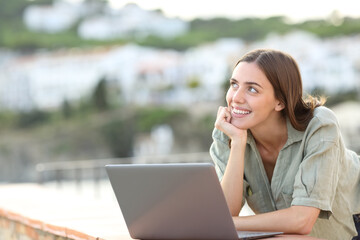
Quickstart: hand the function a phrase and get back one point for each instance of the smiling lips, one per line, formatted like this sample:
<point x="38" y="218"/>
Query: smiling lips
<point x="240" y="113"/>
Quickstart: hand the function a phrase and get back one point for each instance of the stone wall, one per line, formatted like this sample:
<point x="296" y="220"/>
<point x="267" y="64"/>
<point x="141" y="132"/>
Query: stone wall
<point x="14" y="227"/>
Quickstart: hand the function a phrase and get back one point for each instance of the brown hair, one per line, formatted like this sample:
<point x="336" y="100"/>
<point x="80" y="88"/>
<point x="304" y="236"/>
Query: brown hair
<point x="283" y="73"/>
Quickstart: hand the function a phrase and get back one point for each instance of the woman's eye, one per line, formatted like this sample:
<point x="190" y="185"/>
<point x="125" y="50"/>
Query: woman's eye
<point x="253" y="90"/>
<point x="234" y="85"/>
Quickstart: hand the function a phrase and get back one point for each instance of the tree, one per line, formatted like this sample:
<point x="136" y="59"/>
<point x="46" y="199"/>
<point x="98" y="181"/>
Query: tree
<point x="66" y="109"/>
<point x="100" y="95"/>
<point x="119" y="135"/>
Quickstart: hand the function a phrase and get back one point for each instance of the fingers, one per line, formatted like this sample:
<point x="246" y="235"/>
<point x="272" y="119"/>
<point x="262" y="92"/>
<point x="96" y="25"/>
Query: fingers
<point x="224" y="113"/>
<point x="219" y="111"/>
<point x="223" y="116"/>
<point x="227" y="115"/>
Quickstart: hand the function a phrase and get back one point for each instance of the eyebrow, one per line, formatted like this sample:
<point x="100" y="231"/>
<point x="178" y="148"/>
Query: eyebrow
<point x="247" y="82"/>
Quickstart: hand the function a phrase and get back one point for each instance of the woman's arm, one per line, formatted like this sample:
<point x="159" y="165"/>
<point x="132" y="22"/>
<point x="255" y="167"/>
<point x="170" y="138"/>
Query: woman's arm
<point x="295" y="219"/>
<point x="232" y="181"/>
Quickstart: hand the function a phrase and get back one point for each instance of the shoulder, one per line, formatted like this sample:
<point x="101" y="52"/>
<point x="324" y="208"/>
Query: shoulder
<point x="324" y="125"/>
<point x="325" y="115"/>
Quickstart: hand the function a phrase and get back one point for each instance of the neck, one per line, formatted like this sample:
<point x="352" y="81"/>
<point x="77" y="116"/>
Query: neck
<point x="272" y="136"/>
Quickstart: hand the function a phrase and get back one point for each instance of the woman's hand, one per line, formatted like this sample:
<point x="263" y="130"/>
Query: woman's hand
<point x="223" y="123"/>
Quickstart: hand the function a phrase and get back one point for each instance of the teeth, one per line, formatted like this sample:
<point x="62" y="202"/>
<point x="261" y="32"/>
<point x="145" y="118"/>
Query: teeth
<point x="240" y="111"/>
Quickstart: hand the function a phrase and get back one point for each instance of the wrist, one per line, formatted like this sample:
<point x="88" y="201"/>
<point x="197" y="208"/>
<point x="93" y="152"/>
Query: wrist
<point x="236" y="143"/>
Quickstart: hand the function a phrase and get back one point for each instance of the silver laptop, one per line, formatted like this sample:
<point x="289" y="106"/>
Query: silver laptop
<point x="174" y="201"/>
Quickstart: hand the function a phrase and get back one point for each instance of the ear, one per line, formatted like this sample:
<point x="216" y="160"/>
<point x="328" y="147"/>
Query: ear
<point x="279" y="106"/>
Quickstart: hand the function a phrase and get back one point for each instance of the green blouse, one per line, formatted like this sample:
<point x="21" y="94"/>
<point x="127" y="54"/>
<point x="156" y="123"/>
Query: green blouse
<point x="313" y="169"/>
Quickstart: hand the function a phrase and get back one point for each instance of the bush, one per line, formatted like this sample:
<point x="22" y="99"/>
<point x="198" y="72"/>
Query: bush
<point x="33" y="118"/>
<point x="147" y="118"/>
<point x="119" y="135"/>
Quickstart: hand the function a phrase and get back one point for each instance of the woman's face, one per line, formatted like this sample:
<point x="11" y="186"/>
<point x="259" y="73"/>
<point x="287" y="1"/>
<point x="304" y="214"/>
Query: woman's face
<point x="251" y="97"/>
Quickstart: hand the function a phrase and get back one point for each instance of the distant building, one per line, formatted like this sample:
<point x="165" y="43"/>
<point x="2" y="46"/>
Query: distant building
<point x="46" y="80"/>
<point x="52" y="18"/>
<point x="131" y="22"/>
<point x="147" y="75"/>
<point x="102" y="22"/>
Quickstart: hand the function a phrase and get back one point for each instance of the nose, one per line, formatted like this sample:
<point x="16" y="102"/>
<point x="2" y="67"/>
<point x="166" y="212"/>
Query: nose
<point x="239" y="96"/>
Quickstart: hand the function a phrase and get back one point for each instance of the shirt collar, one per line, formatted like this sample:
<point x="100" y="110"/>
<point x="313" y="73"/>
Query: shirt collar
<point x="293" y="134"/>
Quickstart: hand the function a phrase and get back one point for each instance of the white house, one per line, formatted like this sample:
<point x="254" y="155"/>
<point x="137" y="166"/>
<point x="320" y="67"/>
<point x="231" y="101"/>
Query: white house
<point x="52" y="18"/>
<point x="131" y="21"/>
<point x="45" y="80"/>
<point x="102" y="22"/>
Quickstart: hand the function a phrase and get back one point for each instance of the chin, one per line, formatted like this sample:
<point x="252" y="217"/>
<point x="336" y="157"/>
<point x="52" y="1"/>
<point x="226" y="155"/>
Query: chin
<point x="241" y="125"/>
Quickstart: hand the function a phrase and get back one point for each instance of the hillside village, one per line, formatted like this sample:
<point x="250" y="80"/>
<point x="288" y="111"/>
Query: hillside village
<point x="143" y="75"/>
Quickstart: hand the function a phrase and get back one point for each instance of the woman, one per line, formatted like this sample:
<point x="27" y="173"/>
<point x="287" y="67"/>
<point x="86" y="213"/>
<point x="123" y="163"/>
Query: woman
<point x="283" y="154"/>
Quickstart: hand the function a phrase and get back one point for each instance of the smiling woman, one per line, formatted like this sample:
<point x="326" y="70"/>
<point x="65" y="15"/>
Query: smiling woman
<point x="283" y="154"/>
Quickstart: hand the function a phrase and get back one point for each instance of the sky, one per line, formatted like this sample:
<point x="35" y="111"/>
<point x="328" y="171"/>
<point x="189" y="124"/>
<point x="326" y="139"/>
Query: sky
<point x="295" y="10"/>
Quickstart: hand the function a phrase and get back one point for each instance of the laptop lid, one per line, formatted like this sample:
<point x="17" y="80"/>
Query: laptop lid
<point x="172" y="201"/>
